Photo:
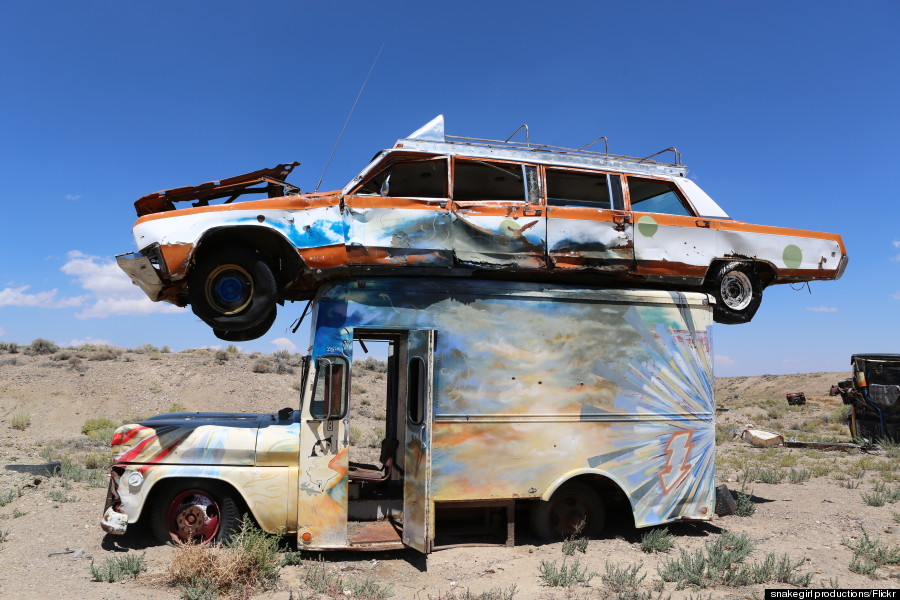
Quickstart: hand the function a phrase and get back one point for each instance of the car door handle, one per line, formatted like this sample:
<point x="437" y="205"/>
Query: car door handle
<point x="702" y="223"/>
<point x="534" y="212"/>
<point x="621" y="219"/>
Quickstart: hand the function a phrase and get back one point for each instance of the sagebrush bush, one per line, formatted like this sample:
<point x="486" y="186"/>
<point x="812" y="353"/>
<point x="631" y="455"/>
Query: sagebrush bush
<point x="20" y="421"/>
<point x="40" y="346"/>
<point x="247" y="564"/>
<point x="119" y="567"/>
<point x="263" y="365"/>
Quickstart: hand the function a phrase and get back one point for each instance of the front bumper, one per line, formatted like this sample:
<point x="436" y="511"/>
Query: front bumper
<point x="114" y="522"/>
<point x="142" y="273"/>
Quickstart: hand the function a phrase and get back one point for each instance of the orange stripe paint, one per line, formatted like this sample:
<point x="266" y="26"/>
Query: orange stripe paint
<point x="285" y="203"/>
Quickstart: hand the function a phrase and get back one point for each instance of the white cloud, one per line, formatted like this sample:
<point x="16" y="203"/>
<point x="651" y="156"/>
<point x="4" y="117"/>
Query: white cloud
<point x="896" y="243"/>
<point x="19" y="296"/>
<point x="2" y="331"/>
<point x="822" y="308"/>
<point x="283" y="343"/>
<point x="89" y="340"/>
<point x="73" y="197"/>
<point x="110" y="290"/>
<point x="724" y="361"/>
<point x="896" y="296"/>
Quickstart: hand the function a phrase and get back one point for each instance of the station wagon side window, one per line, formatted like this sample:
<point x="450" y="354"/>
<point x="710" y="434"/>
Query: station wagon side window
<point x="655" y="196"/>
<point x="329" y="400"/>
<point x="592" y="190"/>
<point x="425" y="178"/>
<point x="476" y="180"/>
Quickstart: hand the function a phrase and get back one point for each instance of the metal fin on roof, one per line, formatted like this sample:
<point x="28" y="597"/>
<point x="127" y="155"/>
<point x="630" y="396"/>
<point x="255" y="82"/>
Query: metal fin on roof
<point x="432" y="131"/>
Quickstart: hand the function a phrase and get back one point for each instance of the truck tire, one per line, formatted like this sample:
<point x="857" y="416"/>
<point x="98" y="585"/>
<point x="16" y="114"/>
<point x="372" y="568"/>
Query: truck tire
<point x="197" y="512"/>
<point x="574" y="509"/>
<point x="738" y="292"/>
<point x="232" y="289"/>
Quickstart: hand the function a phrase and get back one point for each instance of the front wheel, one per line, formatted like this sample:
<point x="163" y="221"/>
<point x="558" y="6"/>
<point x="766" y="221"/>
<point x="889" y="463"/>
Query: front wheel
<point x="737" y="289"/>
<point x="232" y="289"/>
<point x="574" y="509"/>
<point x="195" y="513"/>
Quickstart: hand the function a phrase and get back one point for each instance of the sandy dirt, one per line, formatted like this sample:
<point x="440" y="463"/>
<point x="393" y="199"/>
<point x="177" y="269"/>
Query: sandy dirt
<point x="50" y="532"/>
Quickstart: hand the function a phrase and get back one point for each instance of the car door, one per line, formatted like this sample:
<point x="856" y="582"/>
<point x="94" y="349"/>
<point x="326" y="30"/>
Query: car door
<point x="324" y="457"/>
<point x="498" y="219"/>
<point x="671" y="242"/>
<point x="417" y="509"/>
<point x="400" y="216"/>
<point x="588" y="227"/>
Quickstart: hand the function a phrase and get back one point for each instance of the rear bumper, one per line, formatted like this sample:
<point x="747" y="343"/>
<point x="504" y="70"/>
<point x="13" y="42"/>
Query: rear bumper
<point x="142" y="273"/>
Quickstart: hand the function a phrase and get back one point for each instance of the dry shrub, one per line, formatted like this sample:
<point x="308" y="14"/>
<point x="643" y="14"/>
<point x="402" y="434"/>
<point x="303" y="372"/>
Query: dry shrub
<point x="263" y="365"/>
<point x="246" y="565"/>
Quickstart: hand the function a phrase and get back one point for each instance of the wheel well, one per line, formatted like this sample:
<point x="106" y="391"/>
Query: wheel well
<point x="608" y="489"/>
<point x="764" y="270"/>
<point x="281" y="257"/>
<point x="166" y="484"/>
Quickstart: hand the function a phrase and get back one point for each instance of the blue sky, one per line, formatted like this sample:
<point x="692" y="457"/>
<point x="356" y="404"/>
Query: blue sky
<point x="786" y="114"/>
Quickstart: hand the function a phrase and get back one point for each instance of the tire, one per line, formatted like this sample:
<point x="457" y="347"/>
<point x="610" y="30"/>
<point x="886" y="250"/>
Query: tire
<point x="571" y="505"/>
<point x="247" y="334"/>
<point x="195" y="512"/>
<point x="738" y="292"/>
<point x="232" y="289"/>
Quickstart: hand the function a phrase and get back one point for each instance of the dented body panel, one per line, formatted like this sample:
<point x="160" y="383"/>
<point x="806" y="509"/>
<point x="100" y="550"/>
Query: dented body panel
<point x="463" y="216"/>
<point x="523" y="388"/>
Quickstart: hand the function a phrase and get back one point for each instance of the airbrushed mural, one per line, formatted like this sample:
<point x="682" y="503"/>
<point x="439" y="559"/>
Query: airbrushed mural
<point x="534" y="384"/>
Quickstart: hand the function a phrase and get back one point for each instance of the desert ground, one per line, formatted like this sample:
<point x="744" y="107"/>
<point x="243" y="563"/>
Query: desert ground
<point x="834" y="515"/>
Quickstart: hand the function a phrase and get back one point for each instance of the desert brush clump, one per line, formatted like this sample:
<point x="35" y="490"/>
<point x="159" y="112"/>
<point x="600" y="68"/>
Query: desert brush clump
<point x="564" y="574"/>
<point x="248" y="563"/>
<point x="491" y="594"/>
<point x="322" y="580"/>
<point x="100" y="429"/>
<point x="722" y="562"/>
<point x="623" y="582"/>
<point x="657" y="540"/>
<point x="870" y="554"/>
<point x="116" y="568"/>
<point x="40" y="347"/>
<point x="20" y="421"/>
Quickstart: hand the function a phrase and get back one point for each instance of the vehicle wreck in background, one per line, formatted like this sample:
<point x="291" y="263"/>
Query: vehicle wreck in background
<point x="441" y="205"/>
<point x="873" y="394"/>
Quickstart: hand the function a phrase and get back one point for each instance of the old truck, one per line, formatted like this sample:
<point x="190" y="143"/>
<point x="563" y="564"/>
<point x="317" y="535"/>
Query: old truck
<point x="873" y="394"/>
<point x="447" y="206"/>
<point x="554" y="403"/>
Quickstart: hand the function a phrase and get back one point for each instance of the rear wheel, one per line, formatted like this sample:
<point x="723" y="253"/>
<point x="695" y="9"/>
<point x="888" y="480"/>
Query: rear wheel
<point x="196" y="513"/>
<point x="574" y="509"/>
<point x="738" y="292"/>
<point x="232" y="289"/>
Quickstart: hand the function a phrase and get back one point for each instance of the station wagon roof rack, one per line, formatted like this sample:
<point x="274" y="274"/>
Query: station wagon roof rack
<point x="431" y="137"/>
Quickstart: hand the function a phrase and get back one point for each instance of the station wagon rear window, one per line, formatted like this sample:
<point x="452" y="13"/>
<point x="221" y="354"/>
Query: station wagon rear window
<point x="592" y="190"/>
<point x="493" y="181"/>
<point x="654" y="196"/>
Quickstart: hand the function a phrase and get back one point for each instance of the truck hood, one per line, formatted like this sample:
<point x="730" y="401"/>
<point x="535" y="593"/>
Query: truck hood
<point x="190" y="438"/>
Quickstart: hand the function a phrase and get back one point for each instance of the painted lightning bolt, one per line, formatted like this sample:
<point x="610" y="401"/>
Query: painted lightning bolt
<point x="677" y="467"/>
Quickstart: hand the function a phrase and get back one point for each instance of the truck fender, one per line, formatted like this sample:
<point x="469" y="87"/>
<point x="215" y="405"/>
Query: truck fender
<point x="577" y="473"/>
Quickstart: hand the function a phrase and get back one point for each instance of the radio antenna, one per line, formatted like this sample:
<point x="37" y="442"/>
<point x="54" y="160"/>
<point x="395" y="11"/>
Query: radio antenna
<point x="344" y="128"/>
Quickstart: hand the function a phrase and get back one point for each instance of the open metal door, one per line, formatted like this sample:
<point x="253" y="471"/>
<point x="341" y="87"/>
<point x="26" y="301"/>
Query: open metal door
<point x="417" y="512"/>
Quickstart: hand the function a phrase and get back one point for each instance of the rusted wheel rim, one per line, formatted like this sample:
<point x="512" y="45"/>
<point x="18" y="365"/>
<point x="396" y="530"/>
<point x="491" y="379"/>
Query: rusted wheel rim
<point x="571" y="514"/>
<point x="737" y="291"/>
<point x="193" y="516"/>
<point x="229" y="289"/>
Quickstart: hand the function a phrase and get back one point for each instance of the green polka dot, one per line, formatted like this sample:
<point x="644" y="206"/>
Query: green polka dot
<point x="647" y="226"/>
<point x="793" y="257"/>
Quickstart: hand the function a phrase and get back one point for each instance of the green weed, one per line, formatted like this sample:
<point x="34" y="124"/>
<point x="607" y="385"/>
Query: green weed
<point x="798" y="476"/>
<point x="623" y="582"/>
<point x="657" y="540"/>
<point x="869" y="554"/>
<point x="116" y="568"/>
<point x="564" y="574"/>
